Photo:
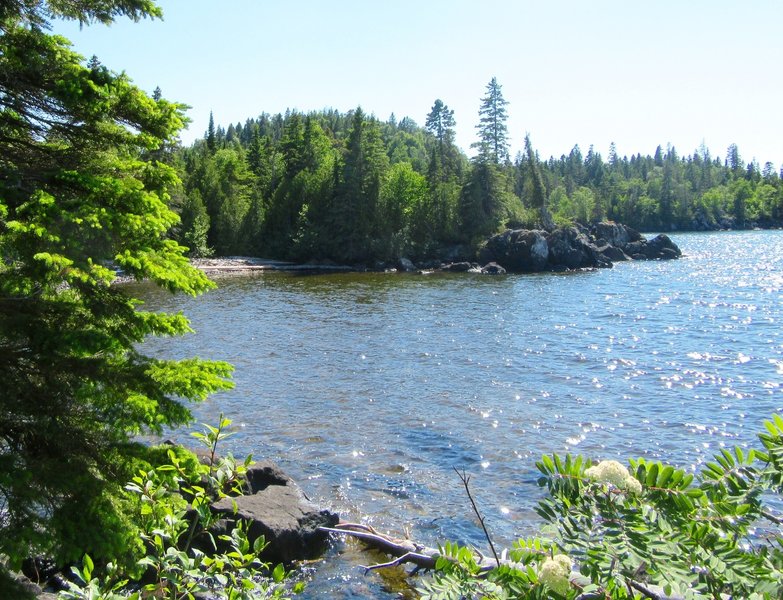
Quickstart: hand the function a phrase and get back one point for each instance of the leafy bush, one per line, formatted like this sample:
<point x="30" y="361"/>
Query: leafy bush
<point x="651" y="531"/>
<point x="168" y="523"/>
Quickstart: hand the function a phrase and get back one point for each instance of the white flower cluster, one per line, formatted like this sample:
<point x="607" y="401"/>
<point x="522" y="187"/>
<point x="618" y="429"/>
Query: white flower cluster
<point x="555" y="573"/>
<point x="612" y="472"/>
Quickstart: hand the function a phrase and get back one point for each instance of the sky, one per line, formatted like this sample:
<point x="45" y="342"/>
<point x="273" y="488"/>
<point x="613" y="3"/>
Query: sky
<point x="639" y="74"/>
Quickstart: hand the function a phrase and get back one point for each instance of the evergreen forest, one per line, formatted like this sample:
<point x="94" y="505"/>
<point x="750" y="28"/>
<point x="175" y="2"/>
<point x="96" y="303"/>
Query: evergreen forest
<point x="351" y="188"/>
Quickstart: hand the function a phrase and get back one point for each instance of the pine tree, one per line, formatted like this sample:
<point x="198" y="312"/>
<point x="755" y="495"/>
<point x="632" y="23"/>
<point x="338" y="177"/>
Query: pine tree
<point x="493" y="132"/>
<point x="440" y="123"/>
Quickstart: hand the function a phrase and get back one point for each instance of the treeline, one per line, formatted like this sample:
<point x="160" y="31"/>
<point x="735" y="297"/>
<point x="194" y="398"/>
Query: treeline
<point x="352" y="188"/>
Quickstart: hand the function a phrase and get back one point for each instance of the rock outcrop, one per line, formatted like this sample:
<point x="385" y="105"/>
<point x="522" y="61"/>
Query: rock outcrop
<point x="566" y="248"/>
<point x="517" y="250"/>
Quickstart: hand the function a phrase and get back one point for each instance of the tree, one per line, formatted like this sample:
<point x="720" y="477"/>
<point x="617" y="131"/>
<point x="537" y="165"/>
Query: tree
<point x="440" y="123"/>
<point x="227" y="195"/>
<point x="210" y="135"/>
<point x="295" y="208"/>
<point x="76" y="202"/>
<point x="484" y="201"/>
<point x="444" y="174"/>
<point x="357" y="194"/>
<point x="493" y="133"/>
<point x="733" y="160"/>
<point x="195" y="226"/>
<point x="539" y="195"/>
<point x="403" y="196"/>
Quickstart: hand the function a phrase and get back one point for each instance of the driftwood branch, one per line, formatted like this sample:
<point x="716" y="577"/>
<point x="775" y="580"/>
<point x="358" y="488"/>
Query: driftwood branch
<point x="405" y="551"/>
<point x="414" y="557"/>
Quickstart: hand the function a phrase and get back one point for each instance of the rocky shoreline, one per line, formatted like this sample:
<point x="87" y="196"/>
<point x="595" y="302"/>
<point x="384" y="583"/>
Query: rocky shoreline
<point x="513" y="251"/>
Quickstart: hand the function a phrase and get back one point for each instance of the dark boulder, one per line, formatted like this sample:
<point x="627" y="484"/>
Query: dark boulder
<point x="288" y="521"/>
<point x="573" y="249"/>
<point x="616" y="234"/>
<point x="517" y="250"/>
<point x="613" y="253"/>
<point x="637" y="250"/>
<point x="660" y="247"/>
<point x="523" y="250"/>
<point x="405" y="265"/>
<point x="260" y="475"/>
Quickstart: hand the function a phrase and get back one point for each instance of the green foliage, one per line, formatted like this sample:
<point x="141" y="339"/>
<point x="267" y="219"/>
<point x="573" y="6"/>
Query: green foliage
<point x="195" y="226"/>
<point x="404" y="196"/>
<point x="171" y="567"/>
<point x="486" y="201"/>
<point x="357" y="193"/>
<point x="300" y="204"/>
<point x="308" y="186"/>
<point x="649" y="531"/>
<point x="81" y="197"/>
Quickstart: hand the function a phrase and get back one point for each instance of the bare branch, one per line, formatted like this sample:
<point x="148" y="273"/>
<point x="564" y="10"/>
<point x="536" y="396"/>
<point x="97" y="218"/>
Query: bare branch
<point x="465" y="481"/>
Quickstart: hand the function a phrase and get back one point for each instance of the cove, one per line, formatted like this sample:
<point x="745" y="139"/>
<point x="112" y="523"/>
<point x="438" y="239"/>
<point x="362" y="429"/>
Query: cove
<point x="368" y="389"/>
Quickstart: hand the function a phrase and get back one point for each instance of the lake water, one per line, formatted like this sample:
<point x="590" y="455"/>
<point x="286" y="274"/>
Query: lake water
<point x="370" y="389"/>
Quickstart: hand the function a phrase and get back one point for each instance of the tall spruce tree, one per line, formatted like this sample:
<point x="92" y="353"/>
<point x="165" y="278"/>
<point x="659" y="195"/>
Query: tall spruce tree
<point x="77" y="200"/>
<point x="210" y="135"/>
<point x="493" y="132"/>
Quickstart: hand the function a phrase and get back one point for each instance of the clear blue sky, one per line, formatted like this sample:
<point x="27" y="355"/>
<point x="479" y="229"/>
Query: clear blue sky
<point x="574" y="72"/>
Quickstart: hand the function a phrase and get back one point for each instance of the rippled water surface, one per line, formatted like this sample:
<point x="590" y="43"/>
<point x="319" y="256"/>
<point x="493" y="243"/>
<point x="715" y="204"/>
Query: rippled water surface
<point x="369" y="389"/>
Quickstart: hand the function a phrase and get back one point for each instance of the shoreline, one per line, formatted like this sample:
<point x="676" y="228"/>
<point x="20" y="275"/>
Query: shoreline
<point x="229" y="264"/>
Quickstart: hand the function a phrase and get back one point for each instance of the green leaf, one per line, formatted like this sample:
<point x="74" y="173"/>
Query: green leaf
<point x="652" y="475"/>
<point x="664" y="476"/>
